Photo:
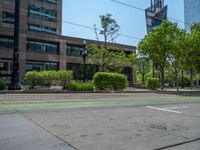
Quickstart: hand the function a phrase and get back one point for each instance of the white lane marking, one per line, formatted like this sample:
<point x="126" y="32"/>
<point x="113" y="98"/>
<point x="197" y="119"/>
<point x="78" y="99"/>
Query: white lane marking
<point x="181" y="107"/>
<point x="164" y="109"/>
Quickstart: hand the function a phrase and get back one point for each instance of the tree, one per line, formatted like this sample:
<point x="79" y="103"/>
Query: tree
<point x="193" y="51"/>
<point x="157" y="44"/>
<point x="64" y="77"/>
<point x="143" y="67"/>
<point x="33" y="78"/>
<point x="110" y="59"/>
<point x="177" y="54"/>
<point x="110" y="28"/>
<point x="132" y="62"/>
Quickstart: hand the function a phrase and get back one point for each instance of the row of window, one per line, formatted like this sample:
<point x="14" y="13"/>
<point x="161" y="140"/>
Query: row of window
<point x="6" y="42"/>
<point x="42" y="47"/>
<point x="6" y="65"/>
<point x="48" y="48"/>
<point x="48" y="1"/>
<point x="78" y="71"/>
<point x="8" y="17"/>
<point x="39" y="66"/>
<point x="73" y="50"/>
<point x="41" y="28"/>
<point x="40" y="12"/>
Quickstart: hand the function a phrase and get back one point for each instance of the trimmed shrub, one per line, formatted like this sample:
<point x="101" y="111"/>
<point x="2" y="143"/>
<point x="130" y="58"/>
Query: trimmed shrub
<point x="32" y="77"/>
<point x="78" y="86"/>
<point x="47" y="78"/>
<point x="2" y="85"/>
<point x="153" y="83"/>
<point x="110" y="81"/>
<point x="65" y="77"/>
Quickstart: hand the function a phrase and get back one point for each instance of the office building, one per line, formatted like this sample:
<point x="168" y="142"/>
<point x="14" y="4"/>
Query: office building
<point x="155" y="14"/>
<point x="191" y="12"/>
<point x="41" y="45"/>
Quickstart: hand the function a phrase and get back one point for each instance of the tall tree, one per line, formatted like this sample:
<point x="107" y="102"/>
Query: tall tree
<point x="109" y="28"/>
<point x="177" y="52"/>
<point x="143" y="67"/>
<point x="157" y="44"/>
<point x="193" y="51"/>
<point x="132" y="62"/>
<point x="107" y="57"/>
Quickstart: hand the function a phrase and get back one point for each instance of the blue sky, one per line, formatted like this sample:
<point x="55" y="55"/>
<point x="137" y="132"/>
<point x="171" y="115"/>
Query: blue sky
<point x="131" y="21"/>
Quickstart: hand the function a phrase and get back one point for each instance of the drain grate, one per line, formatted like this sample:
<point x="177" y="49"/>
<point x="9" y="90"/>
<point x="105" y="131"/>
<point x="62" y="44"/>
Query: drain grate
<point x="158" y="126"/>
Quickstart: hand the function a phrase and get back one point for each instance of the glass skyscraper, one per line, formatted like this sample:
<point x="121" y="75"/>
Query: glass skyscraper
<point x="192" y="12"/>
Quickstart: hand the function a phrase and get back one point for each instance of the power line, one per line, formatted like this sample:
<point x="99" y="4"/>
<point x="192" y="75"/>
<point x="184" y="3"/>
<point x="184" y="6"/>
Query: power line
<point x="141" y="9"/>
<point x="92" y="28"/>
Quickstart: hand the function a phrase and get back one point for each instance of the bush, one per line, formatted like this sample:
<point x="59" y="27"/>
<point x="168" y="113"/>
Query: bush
<point x="47" y="78"/>
<point x="2" y="85"/>
<point x="65" y="77"/>
<point x="77" y="86"/>
<point x="153" y="83"/>
<point x="32" y="77"/>
<point x="110" y="81"/>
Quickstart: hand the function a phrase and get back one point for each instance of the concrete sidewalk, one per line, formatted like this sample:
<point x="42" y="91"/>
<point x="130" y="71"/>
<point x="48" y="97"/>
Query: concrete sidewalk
<point x="19" y="133"/>
<point x="66" y="97"/>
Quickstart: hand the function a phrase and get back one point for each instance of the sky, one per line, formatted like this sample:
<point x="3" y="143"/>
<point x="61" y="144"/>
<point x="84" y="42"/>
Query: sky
<point x="131" y="21"/>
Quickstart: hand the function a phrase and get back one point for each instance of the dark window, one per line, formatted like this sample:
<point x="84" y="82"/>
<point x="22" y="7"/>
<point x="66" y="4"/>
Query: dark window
<point x="40" y="28"/>
<point x="6" y="42"/>
<point x="40" y="12"/>
<point x="39" y="66"/>
<point x="42" y="47"/>
<point x="49" y="1"/>
<point x="8" y="17"/>
<point x="78" y="71"/>
<point x="73" y="50"/>
<point x="3" y="66"/>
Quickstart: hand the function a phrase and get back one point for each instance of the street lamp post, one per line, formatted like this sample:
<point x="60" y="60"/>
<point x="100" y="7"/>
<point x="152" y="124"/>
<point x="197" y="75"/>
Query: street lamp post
<point x="15" y="82"/>
<point x="84" y="54"/>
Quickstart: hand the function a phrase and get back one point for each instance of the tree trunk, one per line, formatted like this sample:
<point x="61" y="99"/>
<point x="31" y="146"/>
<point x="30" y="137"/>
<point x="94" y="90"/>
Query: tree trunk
<point x="143" y="77"/>
<point x="182" y="84"/>
<point x="176" y="76"/>
<point x="191" y="79"/>
<point x="162" y="80"/>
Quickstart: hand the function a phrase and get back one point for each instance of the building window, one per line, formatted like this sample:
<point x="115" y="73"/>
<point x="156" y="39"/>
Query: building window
<point x="8" y="17"/>
<point x="6" y="42"/>
<point x="42" y="47"/>
<point x="11" y="1"/>
<point x="3" y="66"/>
<point x="42" y="13"/>
<point x="78" y="71"/>
<point x="73" y="50"/>
<point x="43" y="29"/>
<point x="49" y="1"/>
<point x="40" y="66"/>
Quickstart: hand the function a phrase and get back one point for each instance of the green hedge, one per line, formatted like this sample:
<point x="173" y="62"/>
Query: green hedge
<point x="110" y="81"/>
<point x="48" y="78"/>
<point x="153" y="83"/>
<point x="79" y="86"/>
<point x="2" y="85"/>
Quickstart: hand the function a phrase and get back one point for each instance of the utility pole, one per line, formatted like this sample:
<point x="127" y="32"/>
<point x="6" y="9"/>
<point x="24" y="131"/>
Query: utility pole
<point x="15" y="81"/>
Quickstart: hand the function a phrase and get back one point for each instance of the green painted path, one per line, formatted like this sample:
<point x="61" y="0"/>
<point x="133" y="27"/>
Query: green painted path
<point x="98" y="103"/>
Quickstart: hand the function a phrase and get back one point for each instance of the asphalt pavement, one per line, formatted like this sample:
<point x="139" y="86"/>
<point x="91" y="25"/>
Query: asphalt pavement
<point x="140" y="122"/>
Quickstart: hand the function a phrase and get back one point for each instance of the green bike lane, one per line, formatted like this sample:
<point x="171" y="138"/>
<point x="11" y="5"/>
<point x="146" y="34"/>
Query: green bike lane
<point x="97" y="103"/>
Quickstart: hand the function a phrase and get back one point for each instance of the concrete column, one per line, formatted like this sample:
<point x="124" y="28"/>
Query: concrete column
<point x="62" y="53"/>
